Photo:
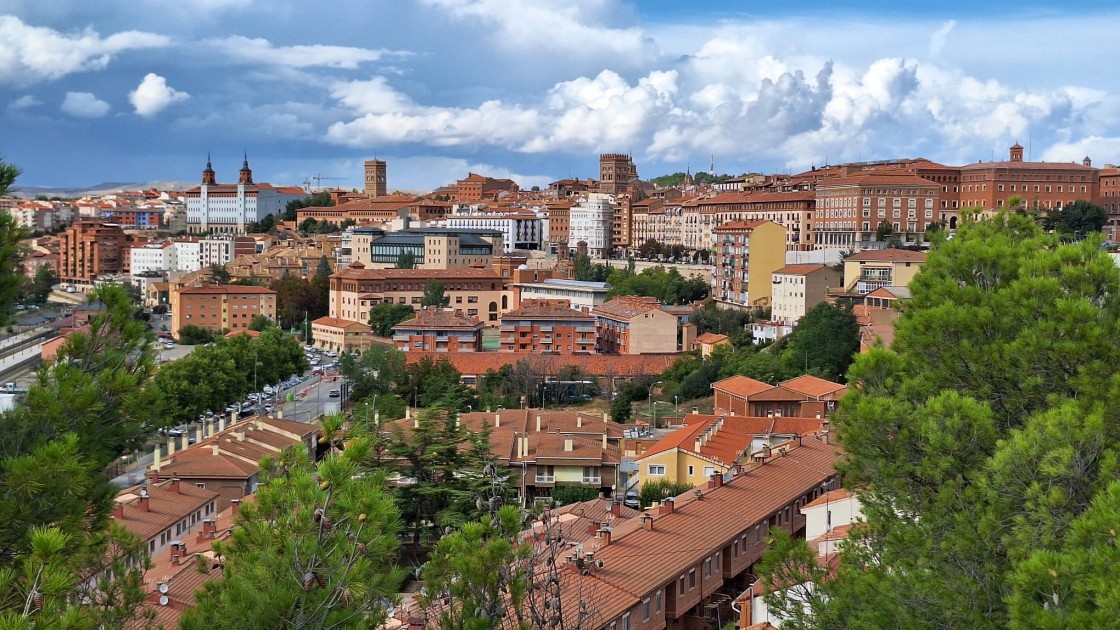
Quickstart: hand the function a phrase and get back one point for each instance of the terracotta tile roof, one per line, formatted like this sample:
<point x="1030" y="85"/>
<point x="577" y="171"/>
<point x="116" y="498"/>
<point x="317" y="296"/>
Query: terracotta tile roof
<point x="225" y="456"/>
<point x="357" y="270"/>
<point x="624" y="365"/>
<point x="336" y="322"/>
<point x="814" y="386"/>
<point x="887" y="255"/>
<point x="439" y="319"/>
<point x="640" y="560"/>
<point x="550" y="446"/>
<point x="740" y="385"/>
<point x="740" y="225"/>
<point x="778" y="393"/>
<point x="166" y="506"/>
<point x="891" y="293"/>
<point x="711" y="338"/>
<point x="225" y="289"/>
<point x="726" y="439"/>
<point x="832" y="496"/>
<point x="525" y="421"/>
<point x="548" y="309"/>
<point x="627" y="307"/>
<point x="877" y="177"/>
<point x="799" y="270"/>
<point x="233" y="333"/>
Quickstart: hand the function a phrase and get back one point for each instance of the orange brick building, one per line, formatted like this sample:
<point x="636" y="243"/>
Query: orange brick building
<point x="89" y="249"/>
<point x="547" y="326"/>
<point x="1041" y="185"/>
<point x="849" y="209"/>
<point x="439" y="330"/>
<point x="220" y="307"/>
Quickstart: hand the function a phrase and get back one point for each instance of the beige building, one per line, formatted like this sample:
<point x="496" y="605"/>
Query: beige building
<point x="634" y="325"/>
<point x="798" y="288"/>
<point x="220" y="307"/>
<point x="481" y="293"/>
<point x="340" y="335"/>
<point x="747" y="253"/>
<point x="871" y="269"/>
<point x="431" y="248"/>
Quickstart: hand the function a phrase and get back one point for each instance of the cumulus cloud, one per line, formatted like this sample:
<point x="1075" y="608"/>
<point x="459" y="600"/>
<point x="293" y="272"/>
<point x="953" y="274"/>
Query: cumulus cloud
<point x="262" y="51"/>
<point x="153" y="95"/>
<point x="30" y="54"/>
<point x="24" y="102"/>
<point x="84" y="105"/>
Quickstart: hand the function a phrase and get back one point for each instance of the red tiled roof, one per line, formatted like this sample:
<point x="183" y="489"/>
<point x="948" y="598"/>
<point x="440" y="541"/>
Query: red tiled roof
<point x="729" y="436"/>
<point x="813" y="386"/>
<point x="778" y="393"/>
<point x="225" y="289"/>
<point x="877" y="177"/>
<point x="442" y="319"/>
<point x="624" y="365"/>
<point x="547" y="309"/>
<point x="627" y="307"/>
<point x="740" y="385"/>
<point x="336" y="322"/>
<point x="832" y="496"/>
<point x="799" y="270"/>
<point x="166" y="506"/>
<point x="712" y="338"/>
<point x="887" y="255"/>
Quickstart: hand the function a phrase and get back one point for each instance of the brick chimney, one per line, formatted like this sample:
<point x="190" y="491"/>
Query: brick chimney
<point x="616" y="508"/>
<point x="118" y="511"/>
<point x="175" y="485"/>
<point x="646" y="521"/>
<point x="235" y="506"/>
<point x="604" y="537"/>
<point x="716" y="480"/>
<point x="667" y="505"/>
<point x="143" y="499"/>
<point x="153" y="476"/>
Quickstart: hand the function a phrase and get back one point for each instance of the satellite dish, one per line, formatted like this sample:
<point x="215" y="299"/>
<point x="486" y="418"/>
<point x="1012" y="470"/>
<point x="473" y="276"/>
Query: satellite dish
<point x="163" y="600"/>
<point x="163" y="587"/>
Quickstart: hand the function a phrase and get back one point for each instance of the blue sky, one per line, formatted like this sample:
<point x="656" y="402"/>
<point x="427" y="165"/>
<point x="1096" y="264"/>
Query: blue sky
<point x="141" y="90"/>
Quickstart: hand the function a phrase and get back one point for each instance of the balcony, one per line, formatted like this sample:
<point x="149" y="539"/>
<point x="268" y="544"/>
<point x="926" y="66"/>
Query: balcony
<point x="545" y="478"/>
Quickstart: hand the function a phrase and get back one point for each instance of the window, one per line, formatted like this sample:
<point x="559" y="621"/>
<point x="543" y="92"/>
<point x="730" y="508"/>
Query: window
<point x="626" y="621"/>
<point x="645" y="609"/>
<point x="656" y="470"/>
<point x="591" y="474"/>
<point x="658" y="597"/>
<point x="691" y="471"/>
<point x="709" y="471"/>
<point x="200" y="485"/>
<point x="692" y="579"/>
<point x="472" y="299"/>
<point x="707" y="567"/>
<point x="546" y="474"/>
<point x="896" y="202"/>
<point x="867" y="202"/>
<point x="882" y="203"/>
<point x="680" y="585"/>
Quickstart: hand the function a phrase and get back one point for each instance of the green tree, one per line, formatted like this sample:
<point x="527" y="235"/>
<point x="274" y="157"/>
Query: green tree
<point x="260" y="322"/>
<point x="11" y="283"/>
<point x="586" y="271"/>
<point x="566" y="495"/>
<point x="191" y="335"/>
<point x="382" y="317"/>
<point x="267" y="225"/>
<point x="884" y="231"/>
<point x="42" y="284"/>
<point x="983" y="440"/>
<point x="334" y="568"/>
<point x="309" y="226"/>
<point x="1079" y="218"/>
<point x="789" y="571"/>
<point x="649" y="249"/>
<point x="657" y="490"/>
<point x="406" y="260"/>
<point x="318" y="200"/>
<point x="298" y="300"/>
<point x="824" y="342"/>
<point x="219" y="274"/>
<point x="434" y="295"/>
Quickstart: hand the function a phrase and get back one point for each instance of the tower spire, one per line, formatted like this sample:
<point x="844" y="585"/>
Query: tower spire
<point x="208" y="177"/>
<point x="246" y="174"/>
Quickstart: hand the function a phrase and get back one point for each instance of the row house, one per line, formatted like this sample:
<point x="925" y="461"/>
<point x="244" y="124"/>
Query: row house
<point x="482" y="293"/>
<point x="610" y="370"/>
<point x="160" y="513"/>
<point x="548" y="326"/>
<point x="439" y="330"/>
<point x="643" y="213"/>
<point x="805" y="396"/>
<point x="634" y="325"/>
<point x="746" y="255"/>
<point x="713" y="444"/>
<point x="793" y="210"/>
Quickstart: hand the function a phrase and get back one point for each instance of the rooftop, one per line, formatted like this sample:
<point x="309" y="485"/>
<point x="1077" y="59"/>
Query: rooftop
<point x="886" y="255"/>
<point x="627" y="306"/>
<point x="439" y="318"/>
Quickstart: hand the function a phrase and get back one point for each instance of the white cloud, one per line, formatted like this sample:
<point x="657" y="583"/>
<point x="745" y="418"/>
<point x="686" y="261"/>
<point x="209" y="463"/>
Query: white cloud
<point x="30" y="54"/>
<point x="938" y="39"/>
<point x="24" y="102"/>
<point x="1101" y="150"/>
<point x="84" y="105"/>
<point x="153" y="95"/>
<point x="262" y="51"/>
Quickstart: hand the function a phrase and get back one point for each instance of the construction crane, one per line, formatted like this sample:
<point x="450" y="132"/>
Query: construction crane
<point x="318" y="179"/>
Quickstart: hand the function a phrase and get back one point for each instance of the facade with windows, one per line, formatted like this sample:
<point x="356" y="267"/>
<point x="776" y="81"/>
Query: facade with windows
<point x="439" y="330"/>
<point x="228" y="208"/>
<point x="849" y="209"/>
<point x="220" y="307"/>
<point x="590" y="222"/>
<point x="548" y="327"/>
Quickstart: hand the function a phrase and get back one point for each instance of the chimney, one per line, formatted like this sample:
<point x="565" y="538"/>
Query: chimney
<point x="497" y="420"/>
<point x="579" y="421"/>
<point x="155" y="461"/>
<point x="667" y="505"/>
<point x="235" y="506"/>
<point x="716" y="480"/>
<point x="568" y="445"/>
<point x="407" y="412"/>
<point x="184" y="442"/>
<point x="699" y="444"/>
<point x="143" y="500"/>
<point x="538" y="423"/>
<point x="215" y="446"/>
<point x="221" y="424"/>
<point x="604" y="537"/>
<point x="646" y="521"/>
<point x="175" y="485"/>
<point x="606" y="417"/>
<point x="604" y="439"/>
<point x="777" y="413"/>
<point x="174" y="556"/>
<point x="232" y="417"/>
<point x="616" y="508"/>
<point x="170" y="446"/>
<point x="240" y="435"/>
<point x="118" y="511"/>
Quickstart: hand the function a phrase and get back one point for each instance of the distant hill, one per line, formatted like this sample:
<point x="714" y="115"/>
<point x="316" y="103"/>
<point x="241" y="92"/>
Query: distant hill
<point x="30" y="192"/>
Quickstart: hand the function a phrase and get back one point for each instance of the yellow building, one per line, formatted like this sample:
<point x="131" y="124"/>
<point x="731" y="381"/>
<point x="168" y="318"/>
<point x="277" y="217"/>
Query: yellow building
<point x="340" y="335"/>
<point x="747" y="253"/>
<point x="871" y="269"/>
<point x="713" y="444"/>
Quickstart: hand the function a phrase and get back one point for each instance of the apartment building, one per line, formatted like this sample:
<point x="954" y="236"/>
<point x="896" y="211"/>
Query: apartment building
<point x="871" y="269"/>
<point x="220" y="307"/>
<point x="159" y="257"/>
<point x="340" y="335"/>
<point x="590" y="222"/>
<point x="162" y="512"/>
<point x="799" y="288"/>
<point x="792" y="210"/>
<point x="430" y="248"/>
<point x="1109" y="182"/>
<point x="439" y="330"/>
<point x="88" y="249"/>
<point x="582" y="295"/>
<point x="747" y="253"/>
<point x="559" y="221"/>
<point x="482" y="293"/>
<point x="520" y="229"/>
<point x="1041" y="185"/>
<point x="849" y="209"/>
<point x="634" y="325"/>
<point x="547" y="326"/>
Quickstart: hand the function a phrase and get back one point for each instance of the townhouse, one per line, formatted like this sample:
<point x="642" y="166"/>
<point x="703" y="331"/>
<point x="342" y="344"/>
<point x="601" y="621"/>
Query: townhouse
<point x="799" y="288"/>
<point x="805" y="396"/>
<point x="872" y="269"/>
<point x="162" y="512"/>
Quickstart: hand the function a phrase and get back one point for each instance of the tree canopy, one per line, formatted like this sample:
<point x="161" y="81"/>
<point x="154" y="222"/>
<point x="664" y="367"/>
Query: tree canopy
<point x="1079" y="218"/>
<point x="11" y="283"/>
<point x="665" y="284"/>
<point x="382" y="317"/>
<point x="983" y="443"/>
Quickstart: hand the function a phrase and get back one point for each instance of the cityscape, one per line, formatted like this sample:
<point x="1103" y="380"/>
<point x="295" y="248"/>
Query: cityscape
<point x="449" y="354"/>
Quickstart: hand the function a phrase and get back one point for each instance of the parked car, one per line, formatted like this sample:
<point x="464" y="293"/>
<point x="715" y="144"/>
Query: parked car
<point x="631" y="500"/>
<point x="334" y="393"/>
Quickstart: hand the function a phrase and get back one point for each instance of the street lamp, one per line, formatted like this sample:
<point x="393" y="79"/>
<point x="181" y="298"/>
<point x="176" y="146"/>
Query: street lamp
<point x="652" y="385"/>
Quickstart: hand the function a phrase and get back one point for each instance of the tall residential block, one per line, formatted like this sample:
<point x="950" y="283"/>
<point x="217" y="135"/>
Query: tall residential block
<point x="89" y="249"/>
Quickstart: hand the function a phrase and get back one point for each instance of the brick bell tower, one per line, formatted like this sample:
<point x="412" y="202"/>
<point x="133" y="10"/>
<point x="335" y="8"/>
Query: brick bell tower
<point x="245" y="175"/>
<point x="208" y="177"/>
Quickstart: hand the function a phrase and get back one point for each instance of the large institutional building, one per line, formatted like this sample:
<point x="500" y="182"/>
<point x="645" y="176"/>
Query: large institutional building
<point x="227" y="208"/>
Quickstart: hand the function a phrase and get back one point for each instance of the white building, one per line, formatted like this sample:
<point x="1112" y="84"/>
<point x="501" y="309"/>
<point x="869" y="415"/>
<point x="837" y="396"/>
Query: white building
<point x="590" y="221"/>
<point x="215" y="251"/>
<point x="521" y="229"/>
<point x="188" y="255"/>
<point x="227" y="208"/>
<point x="799" y="288"/>
<point x="157" y="257"/>
<point x="584" y="296"/>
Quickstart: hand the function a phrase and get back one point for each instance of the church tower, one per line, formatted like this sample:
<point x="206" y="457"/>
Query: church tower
<point x="208" y="177"/>
<point x="377" y="184"/>
<point x="245" y="176"/>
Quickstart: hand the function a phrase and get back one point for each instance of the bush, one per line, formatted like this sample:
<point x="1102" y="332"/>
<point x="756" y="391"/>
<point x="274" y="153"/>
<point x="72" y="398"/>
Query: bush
<point x="191" y="335"/>
<point x="658" y="489"/>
